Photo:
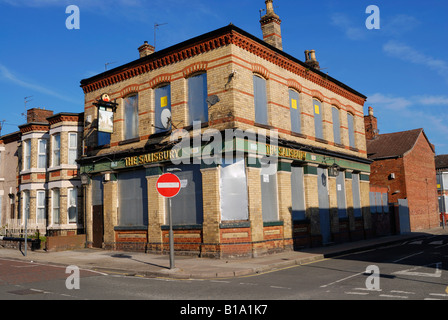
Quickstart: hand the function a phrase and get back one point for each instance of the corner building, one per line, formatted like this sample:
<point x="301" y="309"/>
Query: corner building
<point x="224" y="80"/>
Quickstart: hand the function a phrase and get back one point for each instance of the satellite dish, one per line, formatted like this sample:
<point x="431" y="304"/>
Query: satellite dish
<point x="212" y="100"/>
<point x="165" y="118"/>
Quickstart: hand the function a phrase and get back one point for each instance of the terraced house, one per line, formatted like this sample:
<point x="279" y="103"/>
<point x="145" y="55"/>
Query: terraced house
<point x="275" y="105"/>
<point x="41" y="175"/>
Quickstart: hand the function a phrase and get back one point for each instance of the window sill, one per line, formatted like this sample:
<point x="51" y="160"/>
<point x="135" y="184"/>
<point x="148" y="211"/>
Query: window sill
<point x="300" y="135"/>
<point x="183" y="227"/>
<point x="234" y="224"/>
<point x="128" y="141"/>
<point x="191" y="127"/>
<point x="264" y="126"/>
<point x="272" y="223"/>
<point x="130" y="228"/>
<point x="321" y="140"/>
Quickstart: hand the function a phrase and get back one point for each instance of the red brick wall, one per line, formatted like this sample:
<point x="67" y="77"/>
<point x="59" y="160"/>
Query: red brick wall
<point x="421" y="186"/>
<point x="415" y="179"/>
<point x="379" y="176"/>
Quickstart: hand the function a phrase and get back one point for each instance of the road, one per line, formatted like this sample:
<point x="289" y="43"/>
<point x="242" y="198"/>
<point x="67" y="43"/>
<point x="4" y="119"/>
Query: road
<point x="413" y="270"/>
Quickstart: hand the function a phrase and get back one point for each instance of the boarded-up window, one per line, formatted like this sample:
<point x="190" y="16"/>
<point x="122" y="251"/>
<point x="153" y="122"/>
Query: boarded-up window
<point x="379" y="208"/>
<point x="356" y="196"/>
<point x="351" y="130"/>
<point x="133" y="198"/>
<point x="131" y="117"/>
<point x="340" y="193"/>
<point x="187" y="206"/>
<point x="261" y="105"/>
<point x="197" y="98"/>
<point x="336" y="125"/>
<point x="97" y="191"/>
<point x="318" y="126"/>
<point x="297" y="193"/>
<point x="385" y="203"/>
<point x="372" y="202"/>
<point x="233" y="191"/>
<point x="269" y="197"/>
<point x="295" y="111"/>
<point x="163" y="108"/>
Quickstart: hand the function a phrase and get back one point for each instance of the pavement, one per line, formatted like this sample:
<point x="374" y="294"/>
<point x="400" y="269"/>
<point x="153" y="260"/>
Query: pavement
<point x="186" y="267"/>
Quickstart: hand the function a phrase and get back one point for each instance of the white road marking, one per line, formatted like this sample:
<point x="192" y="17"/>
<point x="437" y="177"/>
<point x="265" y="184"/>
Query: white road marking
<point x="411" y="272"/>
<point x="439" y="294"/>
<point x="340" y="280"/>
<point x="358" y="293"/>
<point x="404" y="258"/>
<point x="393" y="296"/>
<point x="403" y="292"/>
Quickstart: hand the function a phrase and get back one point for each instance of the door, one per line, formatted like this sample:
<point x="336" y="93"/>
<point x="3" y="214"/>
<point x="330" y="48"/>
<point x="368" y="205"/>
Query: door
<point x="324" y="205"/>
<point x="403" y="214"/>
<point x="97" y="212"/>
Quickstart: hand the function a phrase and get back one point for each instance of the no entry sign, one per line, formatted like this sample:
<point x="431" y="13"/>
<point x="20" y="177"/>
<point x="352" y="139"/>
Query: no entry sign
<point x="168" y="185"/>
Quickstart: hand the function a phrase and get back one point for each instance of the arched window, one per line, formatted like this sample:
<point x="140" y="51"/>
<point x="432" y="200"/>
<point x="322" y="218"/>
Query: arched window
<point x="318" y="125"/>
<point x="162" y="102"/>
<point x="351" y="130"/>
<point x="336" y="125"/>
<point x="131" y="117"/>
<point x="260" y="98"/>
<point x="295" y="114"/>
<point x="197" y="98"/>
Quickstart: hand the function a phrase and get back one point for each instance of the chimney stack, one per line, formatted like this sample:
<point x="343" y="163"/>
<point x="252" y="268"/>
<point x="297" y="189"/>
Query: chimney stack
<point x="38" y="115"/>
<point x="270" y="25"/>
<point x="310" y="59"/>
<point x="146" y="49"/>
<point x="371" y="125"/>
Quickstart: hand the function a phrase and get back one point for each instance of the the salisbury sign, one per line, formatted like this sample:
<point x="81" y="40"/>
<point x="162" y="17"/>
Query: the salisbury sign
<point x="210" y="147"/>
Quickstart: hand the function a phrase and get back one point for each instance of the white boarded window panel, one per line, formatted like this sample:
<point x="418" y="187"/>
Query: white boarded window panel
<point x="233" y="191"/>
<point x="298" y="195"/>
<point x="269" y="197"/>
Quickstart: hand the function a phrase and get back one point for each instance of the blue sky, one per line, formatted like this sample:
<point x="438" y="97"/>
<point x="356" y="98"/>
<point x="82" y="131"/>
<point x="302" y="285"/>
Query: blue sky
<point x="402" y="67"/>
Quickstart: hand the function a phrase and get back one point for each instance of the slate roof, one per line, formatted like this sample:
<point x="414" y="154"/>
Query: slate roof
<point x="393" y="145"/>
<point x="441" y="161"/>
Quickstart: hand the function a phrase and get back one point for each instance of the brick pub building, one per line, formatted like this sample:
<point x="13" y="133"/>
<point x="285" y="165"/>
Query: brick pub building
<point x="225" y="79"/>
<point x="403" y="162"/>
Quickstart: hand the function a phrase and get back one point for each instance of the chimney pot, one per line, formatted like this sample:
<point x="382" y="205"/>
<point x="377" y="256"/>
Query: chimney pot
<point x="371" y="125"/>
<point x="270" y="26"/>
<point x="310" y="56"/>
<point x="146" y="49"/>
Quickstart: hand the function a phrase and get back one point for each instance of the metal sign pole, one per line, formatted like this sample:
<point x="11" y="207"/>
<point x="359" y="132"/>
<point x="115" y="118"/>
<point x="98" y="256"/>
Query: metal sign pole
<point x="171" y="236"/>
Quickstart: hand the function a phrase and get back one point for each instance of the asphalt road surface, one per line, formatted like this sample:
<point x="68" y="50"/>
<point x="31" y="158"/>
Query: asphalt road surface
<point x="413" y="270"/>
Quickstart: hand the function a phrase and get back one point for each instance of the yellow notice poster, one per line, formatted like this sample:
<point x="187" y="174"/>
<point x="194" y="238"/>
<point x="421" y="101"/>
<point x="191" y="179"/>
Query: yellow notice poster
<point x="294" y="103"/>
<point x="163" y="102"/>
<point x="316" y="109"/>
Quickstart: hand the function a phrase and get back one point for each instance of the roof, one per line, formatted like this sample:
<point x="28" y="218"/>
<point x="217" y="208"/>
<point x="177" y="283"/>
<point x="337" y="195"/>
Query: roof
<point x="167" y="56"/>
<point x="441" y="161"/>
<point x="393" y="145"/>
